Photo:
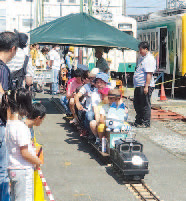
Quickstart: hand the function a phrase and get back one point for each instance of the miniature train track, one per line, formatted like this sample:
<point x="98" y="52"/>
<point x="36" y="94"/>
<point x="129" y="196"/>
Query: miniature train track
<point x="142" y="191"/>
<point x="58" y="105"/>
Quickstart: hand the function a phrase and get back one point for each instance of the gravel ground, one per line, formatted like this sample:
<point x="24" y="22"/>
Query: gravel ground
<point x="170" y="135"/>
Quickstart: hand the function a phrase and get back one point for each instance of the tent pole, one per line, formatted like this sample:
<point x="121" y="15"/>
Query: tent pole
<point x="125" y="68"/>
<point x="82" y="55"/>
<point x="93" y="50"/>
<point x="125" y="77"/>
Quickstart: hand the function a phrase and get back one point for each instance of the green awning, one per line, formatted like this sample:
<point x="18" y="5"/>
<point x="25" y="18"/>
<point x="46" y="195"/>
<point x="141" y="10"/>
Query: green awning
<point x="82" y="30"/>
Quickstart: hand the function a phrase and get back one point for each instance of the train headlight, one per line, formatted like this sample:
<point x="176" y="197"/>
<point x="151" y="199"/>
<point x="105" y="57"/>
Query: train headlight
<point x="137" y="160"/>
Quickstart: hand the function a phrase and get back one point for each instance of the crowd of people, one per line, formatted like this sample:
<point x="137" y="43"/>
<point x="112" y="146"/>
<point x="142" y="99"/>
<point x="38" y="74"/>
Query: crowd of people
<point x="97" y="107"/>
<point x="94" y="105"/>
<point x="18" y="115"/>
<point x="91" y="102"/>
<point x="61" y="64"/>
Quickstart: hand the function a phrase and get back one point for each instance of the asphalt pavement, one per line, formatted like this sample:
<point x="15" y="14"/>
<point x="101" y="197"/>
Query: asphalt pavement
<point x="75" y="172"/>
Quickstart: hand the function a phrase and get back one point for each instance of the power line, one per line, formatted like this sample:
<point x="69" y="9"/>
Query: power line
<point x="141" y="7"/>
<point x="146" y="6"/>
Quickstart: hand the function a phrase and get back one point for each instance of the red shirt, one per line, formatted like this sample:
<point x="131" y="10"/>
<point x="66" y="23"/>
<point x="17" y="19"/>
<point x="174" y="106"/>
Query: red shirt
<point x="72" y="86"/>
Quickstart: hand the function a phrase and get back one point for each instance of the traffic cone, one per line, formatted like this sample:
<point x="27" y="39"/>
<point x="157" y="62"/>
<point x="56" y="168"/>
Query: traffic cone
<point x="162" y="95"/>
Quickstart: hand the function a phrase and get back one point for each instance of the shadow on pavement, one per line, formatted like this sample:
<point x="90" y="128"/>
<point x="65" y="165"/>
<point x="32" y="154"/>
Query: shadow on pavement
<point x="51" y="109"/>
<point x="74" y="138"/>
<point x="83" y="145"/>
<point x="115" y="175"/>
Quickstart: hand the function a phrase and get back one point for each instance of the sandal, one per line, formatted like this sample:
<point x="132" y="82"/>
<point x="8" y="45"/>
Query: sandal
<point x="73" y="121"/>
<point x="83" y="133"/>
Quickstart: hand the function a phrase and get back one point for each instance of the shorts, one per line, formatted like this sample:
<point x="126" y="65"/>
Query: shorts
<point x="4" y="191"/>
<point x="22" y="184"/>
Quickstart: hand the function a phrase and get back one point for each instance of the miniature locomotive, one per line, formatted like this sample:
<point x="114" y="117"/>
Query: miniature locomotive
<point x="128" y="157"/>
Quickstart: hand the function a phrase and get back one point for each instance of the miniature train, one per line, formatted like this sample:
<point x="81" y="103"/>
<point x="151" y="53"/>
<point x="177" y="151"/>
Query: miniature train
<point x="128" y="157"/>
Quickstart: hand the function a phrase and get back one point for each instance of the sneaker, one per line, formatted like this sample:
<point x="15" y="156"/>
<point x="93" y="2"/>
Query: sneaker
<point x="135" y="124"/>
<point x="108" y="129"/>
<point x="69" y="116"/>
<point x="97" y="141"/>
<point x="142" y="126"/>
<point x="116" y="130"/>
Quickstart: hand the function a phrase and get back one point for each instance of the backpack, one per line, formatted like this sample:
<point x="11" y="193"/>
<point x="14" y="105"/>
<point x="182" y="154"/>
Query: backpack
<point x="18" y="76"/>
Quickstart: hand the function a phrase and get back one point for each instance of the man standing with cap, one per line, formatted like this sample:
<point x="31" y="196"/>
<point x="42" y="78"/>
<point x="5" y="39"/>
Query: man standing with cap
<point x="101" y="62"/>
<point x="144" y="85"/>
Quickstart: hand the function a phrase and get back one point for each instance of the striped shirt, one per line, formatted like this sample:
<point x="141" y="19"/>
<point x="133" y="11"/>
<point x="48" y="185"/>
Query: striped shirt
<point x="17" y="62"/>
<point x="145" y="65"/>
<point x="4" y="76"/>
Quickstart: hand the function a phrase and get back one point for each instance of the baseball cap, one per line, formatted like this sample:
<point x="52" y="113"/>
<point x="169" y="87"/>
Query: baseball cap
<point x="83" y="67"/>
<point x="102" y="76"/>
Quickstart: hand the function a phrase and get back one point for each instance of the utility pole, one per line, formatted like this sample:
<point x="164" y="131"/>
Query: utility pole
<point x="81" y="6"/>
<point x="39" y="12"/>
<point x="61" y="9"/>
<point x="90" y="7"/>
<point x="42" y="10"/>
<point x="36" y="22"/>
<point x="124" y="7"/>
<point x="31" y="21"/>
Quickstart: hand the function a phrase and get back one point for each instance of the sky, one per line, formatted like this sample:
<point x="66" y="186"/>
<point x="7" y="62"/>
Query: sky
<point x="156" y="4"/>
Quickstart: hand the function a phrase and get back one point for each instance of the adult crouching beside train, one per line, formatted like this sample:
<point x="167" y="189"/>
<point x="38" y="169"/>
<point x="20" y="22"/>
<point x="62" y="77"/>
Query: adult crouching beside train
<point x="144" y="85"/>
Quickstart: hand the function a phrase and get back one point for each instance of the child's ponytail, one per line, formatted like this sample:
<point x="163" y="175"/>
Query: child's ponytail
<point x="24" y="101"/>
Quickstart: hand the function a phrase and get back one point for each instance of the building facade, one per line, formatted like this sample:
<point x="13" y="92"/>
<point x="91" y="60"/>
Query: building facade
<point x="24" y="15"/>
<point x="174" y="4"/>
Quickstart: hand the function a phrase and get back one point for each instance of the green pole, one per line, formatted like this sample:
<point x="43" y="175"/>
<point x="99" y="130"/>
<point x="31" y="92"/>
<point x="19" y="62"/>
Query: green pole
<point x="42" y="17"/>
<point x="90" y="7"/>
<point x="81" y="6"/>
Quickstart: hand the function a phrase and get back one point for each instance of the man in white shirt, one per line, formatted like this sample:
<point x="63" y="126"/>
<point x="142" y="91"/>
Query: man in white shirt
<point x="144" y="85"/>
<point x="55" y="66"/>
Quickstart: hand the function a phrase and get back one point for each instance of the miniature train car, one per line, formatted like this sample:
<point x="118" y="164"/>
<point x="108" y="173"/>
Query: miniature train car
<point x="128" y="157"/>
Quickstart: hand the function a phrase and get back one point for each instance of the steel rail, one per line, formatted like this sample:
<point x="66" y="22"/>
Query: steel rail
<point x="145" y="189"/>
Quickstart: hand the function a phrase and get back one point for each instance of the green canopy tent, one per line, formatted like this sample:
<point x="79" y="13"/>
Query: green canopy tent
<point x="82" y="30"/>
